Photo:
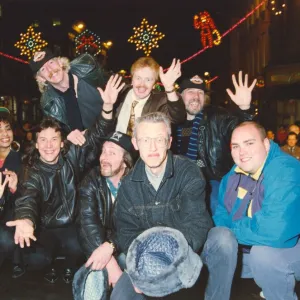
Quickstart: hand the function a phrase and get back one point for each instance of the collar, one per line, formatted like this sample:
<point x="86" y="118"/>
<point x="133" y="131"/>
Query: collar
<point x="255" y="176"/>
<point x="112" y="188"/>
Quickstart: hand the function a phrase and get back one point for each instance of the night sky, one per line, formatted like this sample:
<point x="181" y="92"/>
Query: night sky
<point x="114" y="20"/>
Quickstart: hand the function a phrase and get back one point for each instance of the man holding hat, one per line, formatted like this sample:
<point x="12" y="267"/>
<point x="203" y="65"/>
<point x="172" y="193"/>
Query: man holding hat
<point x="69" y="90"/>
<point x="205" y="135"/>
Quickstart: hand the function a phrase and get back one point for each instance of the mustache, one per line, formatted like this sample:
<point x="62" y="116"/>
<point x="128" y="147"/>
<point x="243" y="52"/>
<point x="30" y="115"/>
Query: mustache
<point x="52" y="72"/>
<point x="105" y="163"/>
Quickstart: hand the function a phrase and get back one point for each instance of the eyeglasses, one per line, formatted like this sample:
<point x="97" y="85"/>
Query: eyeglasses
<point x="146" y="141"/>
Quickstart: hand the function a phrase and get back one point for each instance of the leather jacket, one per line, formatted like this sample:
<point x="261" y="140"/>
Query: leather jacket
<point x="48" y="192"/>
<point x="95" y="211"/>
<point x="90" y="102"/>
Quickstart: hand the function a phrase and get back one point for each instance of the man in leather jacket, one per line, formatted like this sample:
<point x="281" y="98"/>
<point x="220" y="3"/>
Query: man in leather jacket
<point x="69" y="90"/>
<point x="46" y="209"/>
<point x="205" y="136"/>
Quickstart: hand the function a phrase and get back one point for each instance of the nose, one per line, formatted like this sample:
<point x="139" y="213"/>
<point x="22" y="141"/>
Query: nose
<point x="153" y="145"/>
<point x="49" y="144"/>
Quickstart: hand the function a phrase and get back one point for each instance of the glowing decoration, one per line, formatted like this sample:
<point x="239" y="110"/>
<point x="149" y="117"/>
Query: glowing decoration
<point x="146" y="37"/>
<point x="88" y="42"/>
<point x="210" y="35"/>
<point x="30" y="42"/>
<point x="277" y="6"/>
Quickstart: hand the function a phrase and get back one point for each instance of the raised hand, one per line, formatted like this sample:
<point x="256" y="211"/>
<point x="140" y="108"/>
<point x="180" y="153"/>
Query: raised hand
<point x="112" y="89"/>
<point x="76" y="137"/>
<point x="173" y="73"/>
<point x="2" y="185"/>
<point x="12" y="178"/>
<point x="24" y="231"/>
<point x="242" y="96"/>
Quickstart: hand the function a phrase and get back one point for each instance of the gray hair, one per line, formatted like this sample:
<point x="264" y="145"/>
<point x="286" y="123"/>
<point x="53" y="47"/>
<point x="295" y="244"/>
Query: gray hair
<point x="156" y="117"/>
<point x="64" y="61"/>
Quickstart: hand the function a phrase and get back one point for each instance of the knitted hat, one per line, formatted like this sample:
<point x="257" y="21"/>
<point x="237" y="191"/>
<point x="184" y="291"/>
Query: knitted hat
<point x="39" y="59"/>
<point x="160" y="262"/>
<point x="121" y="139"/>
<point x="195" y="82"/>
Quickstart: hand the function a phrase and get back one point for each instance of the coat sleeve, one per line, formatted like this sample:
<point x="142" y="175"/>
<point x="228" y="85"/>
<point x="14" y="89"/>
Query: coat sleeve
<point x="91" y="229"/>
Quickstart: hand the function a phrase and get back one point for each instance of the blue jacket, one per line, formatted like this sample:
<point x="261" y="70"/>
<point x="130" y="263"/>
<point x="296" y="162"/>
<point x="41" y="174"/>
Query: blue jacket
<point x="275" y="220"/>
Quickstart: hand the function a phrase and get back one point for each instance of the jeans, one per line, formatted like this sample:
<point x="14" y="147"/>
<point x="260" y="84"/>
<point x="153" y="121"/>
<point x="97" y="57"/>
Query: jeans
<point x="274" y="270"/>
<point x="213" y="197"/>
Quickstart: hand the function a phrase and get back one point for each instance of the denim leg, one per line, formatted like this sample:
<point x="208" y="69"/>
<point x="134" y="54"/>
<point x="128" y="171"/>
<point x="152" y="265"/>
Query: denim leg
<point x="214" y="184"/>
<point x="276" y="270"/>
<point x="220" y="256"/>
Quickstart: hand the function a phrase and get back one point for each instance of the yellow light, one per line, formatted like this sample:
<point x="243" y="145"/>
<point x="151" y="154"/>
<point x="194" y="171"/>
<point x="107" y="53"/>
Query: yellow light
<point x="273" y="8"/>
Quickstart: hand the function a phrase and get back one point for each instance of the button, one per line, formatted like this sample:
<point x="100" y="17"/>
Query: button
<point x="157" y="202"/>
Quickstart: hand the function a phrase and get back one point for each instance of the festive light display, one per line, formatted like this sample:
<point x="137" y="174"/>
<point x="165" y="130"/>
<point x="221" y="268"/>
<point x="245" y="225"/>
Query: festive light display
<point x="277" y="7"/>
<point x="30" y="42"/>
<point x="210" y="35"/>
<point x="146" y="37"/>
<point x="88" y="41"/>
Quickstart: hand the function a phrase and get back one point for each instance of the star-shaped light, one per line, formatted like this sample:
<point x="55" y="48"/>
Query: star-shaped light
<point x="146" y="37"/>
<point x="88" y="41"/>
<point x="30" y="42"/>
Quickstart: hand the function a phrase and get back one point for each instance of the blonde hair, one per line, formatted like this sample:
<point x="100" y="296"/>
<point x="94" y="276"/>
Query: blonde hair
<point x="144" y="62"/>
<point x="64" y="62"/>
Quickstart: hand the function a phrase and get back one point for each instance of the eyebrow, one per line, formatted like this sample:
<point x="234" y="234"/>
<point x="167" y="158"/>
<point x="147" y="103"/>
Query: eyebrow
<point x="250" y="140"/>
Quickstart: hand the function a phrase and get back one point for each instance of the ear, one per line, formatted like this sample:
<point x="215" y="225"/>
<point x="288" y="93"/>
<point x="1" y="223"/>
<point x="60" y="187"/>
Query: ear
<point x="134" y="143"/>
<point x="267" y="144"/>
<point x="61" y="144"/>
<point x="170" y="142"/>
<point x="36" y="146"/>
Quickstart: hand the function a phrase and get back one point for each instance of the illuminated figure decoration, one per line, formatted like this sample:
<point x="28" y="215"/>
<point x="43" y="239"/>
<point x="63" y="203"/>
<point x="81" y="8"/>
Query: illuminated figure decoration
<point x="145" y="37"/>
<point x="88" y="42"/>
<point x="30" y="42"/>
<point x="209" y="33"/>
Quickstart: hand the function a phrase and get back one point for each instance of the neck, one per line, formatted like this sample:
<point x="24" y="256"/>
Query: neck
<point x="160" y="169"/>
<point x="4" y="152"/>
<point x="64" y="84"/>
<point x="115" y="179"/>
<point x="190" y="117"/>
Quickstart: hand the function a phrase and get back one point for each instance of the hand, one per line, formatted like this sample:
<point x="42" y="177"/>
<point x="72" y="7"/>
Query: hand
<point x="24" y="231"/>
<point x="2" y="185"/>
<point x="12" y="179"/>
<point x="112" y="89"/>
<point x="76" y="137"/>
<point x="242" y="97"/>
<point x="100" y="257"/>
<point x="173" y="73"/>
<point x="114" y="271"/>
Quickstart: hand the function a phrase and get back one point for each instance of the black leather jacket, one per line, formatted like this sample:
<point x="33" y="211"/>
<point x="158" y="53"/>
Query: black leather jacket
<point x="89" y="100"/>
<point x="48" y="192"/>
<point x="95" y="211"/>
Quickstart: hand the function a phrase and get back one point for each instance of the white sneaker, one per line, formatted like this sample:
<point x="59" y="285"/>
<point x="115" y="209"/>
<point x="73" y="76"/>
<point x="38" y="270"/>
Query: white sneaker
<point x="261" y="294"/>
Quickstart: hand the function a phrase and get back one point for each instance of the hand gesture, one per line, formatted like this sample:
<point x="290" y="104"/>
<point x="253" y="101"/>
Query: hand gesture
<point x="242" y="96"/>
<point x="173" y="73"/>
<point x="2" y="185"/>
<point x="24" y="231"/>
<point x="76" y="137"/>
<point x="100" y="257"/>
<point x="12" y="178"/>
<point x="112" y="89"/>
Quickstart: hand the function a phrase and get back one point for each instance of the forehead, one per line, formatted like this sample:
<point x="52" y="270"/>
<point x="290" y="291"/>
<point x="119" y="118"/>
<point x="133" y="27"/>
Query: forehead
<point x="112" y="146"/>
<point x="152" y="129"/>
<point x="292" y="137"/>
<point x="245" y="133"/>
<point x="192" y="91"/>
<point x="49" y="132"/>
<point x="4" y="124"/>
<point x="144" y="71"/>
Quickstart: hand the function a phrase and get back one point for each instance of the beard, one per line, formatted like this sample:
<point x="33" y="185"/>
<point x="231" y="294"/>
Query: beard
<point x="109" y="171"/>
<point x="193" y="111"/>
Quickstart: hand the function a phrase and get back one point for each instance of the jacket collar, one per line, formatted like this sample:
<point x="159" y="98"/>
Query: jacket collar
<point x="139" y="173"/>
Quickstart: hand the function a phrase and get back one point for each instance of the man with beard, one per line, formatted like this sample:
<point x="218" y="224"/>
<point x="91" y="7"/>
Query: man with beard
<point x="97" y="194"/>
<point x="205" y="136"/>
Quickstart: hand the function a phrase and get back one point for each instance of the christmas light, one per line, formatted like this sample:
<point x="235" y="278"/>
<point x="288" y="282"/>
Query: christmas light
<point x="209" y="33"/>
<point x="276" y="7"/>
<point x="87" y="42"/>
<point x="30" y="42"/>
<point x="146" y="37"/>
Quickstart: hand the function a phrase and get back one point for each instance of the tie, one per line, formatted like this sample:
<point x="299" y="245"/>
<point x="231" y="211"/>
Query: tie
<point x="131" y="118"/>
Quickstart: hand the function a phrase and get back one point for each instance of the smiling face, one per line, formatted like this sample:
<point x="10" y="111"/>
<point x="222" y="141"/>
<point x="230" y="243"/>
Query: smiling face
<point x="248" y="149"/>
<point x="6" y="135"/>
<point x="193" y="100"/>
<point x="143" y="80"/>
<point x="49" y="144"/>
<point x="153" y="142"/>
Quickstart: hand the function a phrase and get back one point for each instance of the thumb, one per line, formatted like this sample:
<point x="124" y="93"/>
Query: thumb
<point x="230" y="94"/>
<point x="11" y="223"/>
<point x="101" y="92"/>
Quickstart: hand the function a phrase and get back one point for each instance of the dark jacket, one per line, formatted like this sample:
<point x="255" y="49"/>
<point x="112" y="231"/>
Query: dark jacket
<point x="158" y="101"/>
<point x="95" y="211"/>
<point x="178" y="203"/>
<point x="11" y="163"/>
<point x="48" y="192"/>
<point x="214" y="136"/>
<point x="90" y="76"/>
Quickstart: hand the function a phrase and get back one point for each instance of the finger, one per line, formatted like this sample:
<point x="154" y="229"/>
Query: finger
<point x="119" y="81"/>
<point x="253" y="85"/>
<point x="234" y="82"/>
<point x="240" y="78"/>
<point x="161" y="71"/>
<point x="16" y="238"/>
<point x="94" y="265"/>
<point x="246" y="80"/>
<point x="32" y="237"/>
<point x="27" y="241"/>
<point x="115" y="78"/>
<point x="11" y="223"/>
<point x="5" y="181"/>
<point x="173" y="63"/>
<point x="120" y="87"/>
<point x="230" y="93"/>
<point x="101" y="92"/>
<point x="21" y="242"/>
<point x="89" y="261"/>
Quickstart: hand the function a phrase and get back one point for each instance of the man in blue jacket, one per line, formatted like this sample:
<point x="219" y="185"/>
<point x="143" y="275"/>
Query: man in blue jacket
<point x="258" y="217"/>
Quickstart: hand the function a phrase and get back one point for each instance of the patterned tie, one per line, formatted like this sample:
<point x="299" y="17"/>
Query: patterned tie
<point x="131" y="118"/>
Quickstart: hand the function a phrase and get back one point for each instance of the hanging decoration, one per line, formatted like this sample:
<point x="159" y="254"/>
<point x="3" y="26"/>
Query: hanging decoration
<point x="146" y="37"/>
<point x="210" y="35"/>
<point x="87" y="42"/>
<point x="30" y="42"/>
<point x="277" y="6"/>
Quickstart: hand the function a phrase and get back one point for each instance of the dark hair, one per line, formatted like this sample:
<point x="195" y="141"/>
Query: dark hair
<point x="292" y="133"/>
<point x="5" y="117"/>
<point x="128" y="162"/>
<point x="33" y="153"/>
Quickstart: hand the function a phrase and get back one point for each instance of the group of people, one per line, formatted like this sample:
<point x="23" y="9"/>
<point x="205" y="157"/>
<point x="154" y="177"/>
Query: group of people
<point x="148" y="186"/>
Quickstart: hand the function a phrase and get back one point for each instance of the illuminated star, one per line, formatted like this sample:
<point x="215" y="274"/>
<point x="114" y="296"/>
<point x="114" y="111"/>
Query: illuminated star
<point x="30" y="42"/>
<point x="88" y="42"/>
<point x="146" y="37"/>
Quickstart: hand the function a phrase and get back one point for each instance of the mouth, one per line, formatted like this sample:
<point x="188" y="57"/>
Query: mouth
<point x="141" y="90"/>
<point x="6" y="140"/>
<point x="153" y="155"/>
<point x="246" y="159"/>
